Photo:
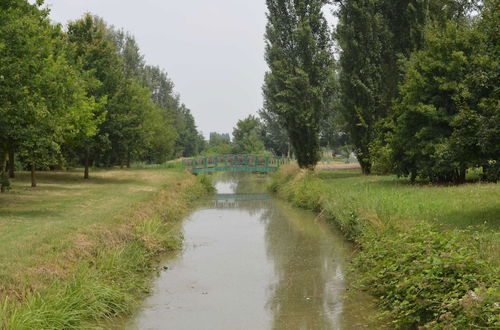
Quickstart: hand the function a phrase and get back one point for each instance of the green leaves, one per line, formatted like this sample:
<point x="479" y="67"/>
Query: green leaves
<point x="441" y="121"/>
<point x="428" y="278"/>
<point x="299" y="57"/>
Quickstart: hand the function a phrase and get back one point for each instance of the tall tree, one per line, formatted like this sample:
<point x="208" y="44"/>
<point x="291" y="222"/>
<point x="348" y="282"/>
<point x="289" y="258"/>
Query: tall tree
<point x="359" y="34"/>
<point x="298" y="53"/>
<point x="97" y="53"/>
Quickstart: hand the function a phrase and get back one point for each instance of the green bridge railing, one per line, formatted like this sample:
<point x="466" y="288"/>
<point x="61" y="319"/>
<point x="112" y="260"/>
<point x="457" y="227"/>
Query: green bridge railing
<point x="236" y="163"/>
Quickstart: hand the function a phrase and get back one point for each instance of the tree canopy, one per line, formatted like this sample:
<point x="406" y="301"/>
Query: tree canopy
<point x="83" y="96"/>
<point x="299" y="56"/>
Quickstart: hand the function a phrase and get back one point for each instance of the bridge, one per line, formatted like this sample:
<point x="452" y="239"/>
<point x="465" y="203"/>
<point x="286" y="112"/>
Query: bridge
<point x="235" y="163"/>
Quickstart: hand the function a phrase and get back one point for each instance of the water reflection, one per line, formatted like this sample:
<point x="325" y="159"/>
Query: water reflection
<point x="252" y="262"/>
<point x="309" y="264"/>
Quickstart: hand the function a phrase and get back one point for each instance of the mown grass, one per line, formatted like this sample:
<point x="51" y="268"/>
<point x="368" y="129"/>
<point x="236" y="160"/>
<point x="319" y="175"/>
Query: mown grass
<point x="430" y="253"/>
<point x="74" y="251"/>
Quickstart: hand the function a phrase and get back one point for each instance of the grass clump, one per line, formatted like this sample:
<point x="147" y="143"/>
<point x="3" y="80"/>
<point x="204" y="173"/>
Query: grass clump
<point x="430" y="253"/>
<point x="101" y="264"/>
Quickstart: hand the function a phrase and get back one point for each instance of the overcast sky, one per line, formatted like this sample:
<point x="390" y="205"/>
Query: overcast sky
<point x="213" y="50"/>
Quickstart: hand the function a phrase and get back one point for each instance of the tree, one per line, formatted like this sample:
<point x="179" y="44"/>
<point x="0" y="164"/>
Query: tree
<point x="247" y="136"/>
<point x="298" y="53"/>
<point x="274" y="136"/>
<point x="44" y="98"/>
<point x="447" y="117"/>
<point x="94" y="49"/>
<point x="359" y="34"/>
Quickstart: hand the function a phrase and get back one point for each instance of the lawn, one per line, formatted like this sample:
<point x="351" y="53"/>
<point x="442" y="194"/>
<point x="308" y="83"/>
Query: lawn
<point x="35" y="223"/>
<point x="88" y="233"/>
<point x="390" y="199"/>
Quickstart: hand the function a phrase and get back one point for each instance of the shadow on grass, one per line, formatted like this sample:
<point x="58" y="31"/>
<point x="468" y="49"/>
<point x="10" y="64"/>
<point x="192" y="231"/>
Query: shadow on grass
<point x="68" y="177"/>
<point x="338" y="174"/>
<point x="30" y="215"/>
<point x="479" y="218"/>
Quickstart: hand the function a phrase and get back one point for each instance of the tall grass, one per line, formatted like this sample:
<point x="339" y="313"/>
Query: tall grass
<point x="106" y="271"/>
<point x="430" y="253"/>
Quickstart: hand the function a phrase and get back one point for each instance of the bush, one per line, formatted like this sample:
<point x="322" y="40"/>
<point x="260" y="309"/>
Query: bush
<point x="429" y="278"/>
<point x="491" y="172"/>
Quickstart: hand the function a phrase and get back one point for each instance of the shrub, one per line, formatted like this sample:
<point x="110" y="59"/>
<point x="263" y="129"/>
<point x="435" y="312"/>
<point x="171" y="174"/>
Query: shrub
<point x="428" y="278"/>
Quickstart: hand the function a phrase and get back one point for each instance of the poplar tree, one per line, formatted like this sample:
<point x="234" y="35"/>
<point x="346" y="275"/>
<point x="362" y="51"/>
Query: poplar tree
<point x="359" y="34"/>
<point x="298" y="53"/>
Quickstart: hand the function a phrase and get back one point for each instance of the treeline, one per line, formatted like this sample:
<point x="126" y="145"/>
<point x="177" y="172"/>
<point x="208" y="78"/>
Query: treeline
<point x="247" y="139"/>
<point x="82" y="96"/>
<point x="251" y="135"/>
<point x="415" y="90"/>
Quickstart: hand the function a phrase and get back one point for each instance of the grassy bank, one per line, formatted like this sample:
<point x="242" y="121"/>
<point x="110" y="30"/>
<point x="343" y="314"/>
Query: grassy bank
<point x="74" y="252"/>
<point x="430" y="253"/>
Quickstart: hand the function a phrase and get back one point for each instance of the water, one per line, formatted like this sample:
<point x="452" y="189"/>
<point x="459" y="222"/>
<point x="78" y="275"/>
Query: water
<point x="253" y="262"/>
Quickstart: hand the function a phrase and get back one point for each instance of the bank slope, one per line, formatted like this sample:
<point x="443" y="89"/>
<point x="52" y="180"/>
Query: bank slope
<point x="429" y="253"/>
<point x="78" y="252"/>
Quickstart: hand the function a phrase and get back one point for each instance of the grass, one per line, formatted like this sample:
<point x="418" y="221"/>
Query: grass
<point x="430" y="253"/>
<point x="75" y="251"/>
<point x="389" y="199"/>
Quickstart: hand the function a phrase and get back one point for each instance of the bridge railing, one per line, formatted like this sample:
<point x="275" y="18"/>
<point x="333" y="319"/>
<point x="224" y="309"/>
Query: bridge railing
<point x="234" y="162"/>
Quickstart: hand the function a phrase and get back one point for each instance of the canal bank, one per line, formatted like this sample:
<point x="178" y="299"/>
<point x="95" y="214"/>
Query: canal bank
<point x="428" y="252"/>
<point x="76" y="253"/>
<point x="251" y="261"/>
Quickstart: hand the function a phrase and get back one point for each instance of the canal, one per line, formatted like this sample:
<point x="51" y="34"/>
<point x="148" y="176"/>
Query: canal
<point x="251" y="261"/>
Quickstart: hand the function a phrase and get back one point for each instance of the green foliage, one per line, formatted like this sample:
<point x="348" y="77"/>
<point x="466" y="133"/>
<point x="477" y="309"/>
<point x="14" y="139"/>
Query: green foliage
<point x="206" y="182"/>
<point x="274" y="135"/>
<point x="247" y="136"/>
<point x="376" y="37"/>
<point x="360" y="35"/>
<point x="426" y="272"/>
<point x="43" y="99"/>
<point x="84" y="96"/>
<point x="428" y="278"/>
<point x="447" y="117"/>
<point x="298" y="53"/>
<point x="220" y="149"/>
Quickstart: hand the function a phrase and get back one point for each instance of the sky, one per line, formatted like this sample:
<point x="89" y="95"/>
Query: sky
<point x="212" y="50"/>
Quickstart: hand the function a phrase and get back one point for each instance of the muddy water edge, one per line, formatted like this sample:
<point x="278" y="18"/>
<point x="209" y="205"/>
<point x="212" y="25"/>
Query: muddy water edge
<point x="251" y="261"/>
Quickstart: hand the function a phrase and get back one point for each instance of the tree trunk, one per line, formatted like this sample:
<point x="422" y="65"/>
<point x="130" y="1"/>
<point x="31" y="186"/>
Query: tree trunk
<point x="3" y="168"/>
<point x="12" y="173"/>
<point x="366" y="167"/>
<point x="128" y="159"/>
<point x="86" y="163"/>
<point x="3" y="162"/>
<point x="59" y="163"/>
<point x="33" y="179"/>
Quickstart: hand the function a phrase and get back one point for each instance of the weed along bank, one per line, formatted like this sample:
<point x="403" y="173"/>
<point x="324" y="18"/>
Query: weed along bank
<point x="74" y="254"/>
<point x="429" y="253"/>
